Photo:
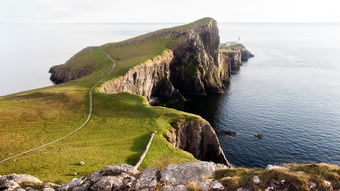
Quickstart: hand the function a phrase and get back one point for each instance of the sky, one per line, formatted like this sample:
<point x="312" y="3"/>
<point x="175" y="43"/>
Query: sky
<point x="174" y="11"/>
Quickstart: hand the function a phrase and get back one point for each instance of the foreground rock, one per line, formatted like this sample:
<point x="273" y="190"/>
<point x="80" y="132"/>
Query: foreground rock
<point x="125" y="177"/>
<point x="192" y="176"/>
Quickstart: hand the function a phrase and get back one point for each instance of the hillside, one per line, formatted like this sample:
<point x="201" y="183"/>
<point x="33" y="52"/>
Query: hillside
<point x="118" y="130"/>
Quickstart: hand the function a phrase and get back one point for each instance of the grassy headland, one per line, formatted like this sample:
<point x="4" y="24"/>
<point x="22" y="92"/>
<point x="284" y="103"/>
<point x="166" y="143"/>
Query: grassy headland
<point x="117" y="133"/>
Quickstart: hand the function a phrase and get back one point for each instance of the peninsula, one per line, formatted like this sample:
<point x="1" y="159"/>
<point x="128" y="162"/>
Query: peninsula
<point x="100" y="113"/>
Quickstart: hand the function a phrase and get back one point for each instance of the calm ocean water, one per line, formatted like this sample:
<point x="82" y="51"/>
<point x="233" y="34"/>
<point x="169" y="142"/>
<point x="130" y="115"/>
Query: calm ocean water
<point x="290" y="92"/>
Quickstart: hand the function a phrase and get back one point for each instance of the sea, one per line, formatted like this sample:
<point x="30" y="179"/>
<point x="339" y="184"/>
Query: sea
<point x="289" y="92"/>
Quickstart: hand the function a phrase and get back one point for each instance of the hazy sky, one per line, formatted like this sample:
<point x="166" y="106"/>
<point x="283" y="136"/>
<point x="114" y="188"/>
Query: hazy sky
<point x="169" y="11"/>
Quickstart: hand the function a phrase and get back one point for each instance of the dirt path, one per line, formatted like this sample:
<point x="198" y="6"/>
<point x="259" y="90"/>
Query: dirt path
<point x="89" y="116"/>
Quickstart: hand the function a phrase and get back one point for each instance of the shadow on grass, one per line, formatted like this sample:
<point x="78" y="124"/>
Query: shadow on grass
<point x="138" y="146"/>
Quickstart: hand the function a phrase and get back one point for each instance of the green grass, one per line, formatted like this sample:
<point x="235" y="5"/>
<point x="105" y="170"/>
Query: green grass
<point x="117" y="133"/>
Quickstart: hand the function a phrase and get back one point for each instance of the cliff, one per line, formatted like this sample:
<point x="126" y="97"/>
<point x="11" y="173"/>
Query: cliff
<point x="196" y="69"/>
<point x="70" y="71"/>
<point x="233" y="54"/>
<point x="199" y="138"/>
<point x="149" y="79"/>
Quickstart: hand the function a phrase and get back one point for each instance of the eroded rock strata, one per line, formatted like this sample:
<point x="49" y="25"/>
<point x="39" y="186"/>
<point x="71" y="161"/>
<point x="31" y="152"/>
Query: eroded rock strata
<point x="149" y="79"/>
<point x="197" y="137"/>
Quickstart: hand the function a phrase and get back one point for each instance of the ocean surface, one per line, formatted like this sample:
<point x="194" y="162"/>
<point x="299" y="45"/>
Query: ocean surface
<point x="290" y="92"/>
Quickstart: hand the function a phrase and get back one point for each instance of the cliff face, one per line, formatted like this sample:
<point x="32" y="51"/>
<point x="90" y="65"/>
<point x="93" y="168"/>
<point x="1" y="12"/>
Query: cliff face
<point x="232" y="59"/>
<point x="199" y="138"/>
<point x="149" y="79"/>
<point x="196" y="69"/>
<point x="61" y="75"/>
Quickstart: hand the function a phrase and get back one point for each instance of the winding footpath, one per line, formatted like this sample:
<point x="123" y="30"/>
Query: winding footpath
<point x="89" y="116"/>
<point x="141" y="158"/>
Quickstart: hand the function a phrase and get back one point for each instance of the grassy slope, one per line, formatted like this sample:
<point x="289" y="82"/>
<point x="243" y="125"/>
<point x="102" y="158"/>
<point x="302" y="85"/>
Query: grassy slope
<point x="118" y="132"/>
<point x="233" y="179"/>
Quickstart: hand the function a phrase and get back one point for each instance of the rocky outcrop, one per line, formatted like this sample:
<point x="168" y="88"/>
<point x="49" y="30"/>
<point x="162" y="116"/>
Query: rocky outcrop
<point x="19" y="181"/>
<point x="125" y="177"/>
<point x="196" y="69"/>
<point x="61" y="75"/>
<point x="149" y="79"/>
<point x="197" y="137"/>
<point x="232" y="59"/>
<point x="233" y="54"/>
<point x="203" y="176"/>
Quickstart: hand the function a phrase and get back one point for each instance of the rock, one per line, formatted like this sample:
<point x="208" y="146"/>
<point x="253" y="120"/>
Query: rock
<point x="256" y="179"/>
<point x="148" y="179"/>
<point x="230" y="133"/>
<point x="17" y="180"/>
<point x="50" y="184"/>
<point x="269" y="189"/>
<point x="149" y="79"/>
<point x="259" y="136"/>
<point x="174" y="188"/>
<point x="75" y="183"/>
<point x="199" y="138"/>
<point x="327" y="183"/>
<point x="210" y="185"/>
<point x="47" y="189"/>
<point x="94" y="177"/>
<point x="115" y="182"/>
<point x="300" y="172"/>
<point x="271" y="167"/>
<point x="243" y="189"/>
<point x="312" y="184"/>
<point x="15" y="189"/>
<point x="185" y="173"/>
<point x="61" y="74"/>
<point x="81" y="163"/>
<point x="30" y="189"/>
<point x="118" y="169"/>
<point x="11" y="184"/>
<point x="108" y="183"/>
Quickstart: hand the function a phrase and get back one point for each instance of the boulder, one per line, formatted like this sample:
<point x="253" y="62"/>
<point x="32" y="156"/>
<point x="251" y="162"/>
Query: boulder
<point x="17" y="180"/>
<point x="119" y="182"/>
<point x="210" y="185"/>
<point x="148" y="179"/>
<point x="118" y="169"/>
<point x="271" y="167"/>
<point x="174" y="188"/>
<point x="75" y="183"/>
<point x="188" y="172"/>
<point x="256" y="179"/>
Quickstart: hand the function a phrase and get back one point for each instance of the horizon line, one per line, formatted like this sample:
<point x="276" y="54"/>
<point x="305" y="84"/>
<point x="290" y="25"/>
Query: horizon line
<point x="167" y="22"/>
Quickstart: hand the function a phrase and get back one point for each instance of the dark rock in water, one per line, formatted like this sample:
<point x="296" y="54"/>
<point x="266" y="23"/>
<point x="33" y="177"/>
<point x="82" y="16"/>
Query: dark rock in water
<point x="260" y="136"/>
<point x="230" y="133"/>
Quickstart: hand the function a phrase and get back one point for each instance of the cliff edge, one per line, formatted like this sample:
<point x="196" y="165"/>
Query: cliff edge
<point x="189" y="64"/>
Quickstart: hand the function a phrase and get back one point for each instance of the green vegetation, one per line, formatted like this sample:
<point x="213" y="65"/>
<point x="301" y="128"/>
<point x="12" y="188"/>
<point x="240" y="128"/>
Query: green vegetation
<point x="298" y="177"/>
<point x="118" y="132"/>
